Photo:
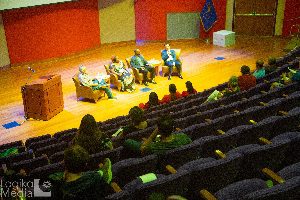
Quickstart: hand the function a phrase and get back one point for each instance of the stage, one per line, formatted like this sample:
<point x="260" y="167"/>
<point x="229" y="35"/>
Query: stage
<point x="199" y="66"/>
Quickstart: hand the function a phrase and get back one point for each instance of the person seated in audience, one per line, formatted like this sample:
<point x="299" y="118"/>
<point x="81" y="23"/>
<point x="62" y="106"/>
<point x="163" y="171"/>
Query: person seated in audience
<point x="190" y="89"/>
<point x="247" y="80"/>
<point x="138" y="61"/>
<point x="260" y="70"/>
<point x="233" y="86"/>
<point x="90" y="137"/>
<point x="95" y="84"/>
<point x="286" y="78"/>
<point x="127" y="80"/>
<point x="153" y="101"/>
<point x="161" y="139"/>
<point x="138" y="121"/>
<point x="214" y="96"/>
<point x="271" y="66"/>
<point x="78" y="183"/>
<point x="174" y="94"/>
<point x="170" y="60"/>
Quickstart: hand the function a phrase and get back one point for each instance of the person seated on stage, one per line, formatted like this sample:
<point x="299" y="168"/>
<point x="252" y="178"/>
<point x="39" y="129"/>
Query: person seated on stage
<point x="161" y="139"/>
<point x="138" y="61"/>
<point x="247" y="80"/>
<point x="90" y="137"/>
<point x="153" y="101"/>
<point x="190" y="89"/>
<point x="170" y="60"/>
<point x="127" y="80"/>
<point x="233" y="87"/>
<point x="78" y="183"/>
<point x="138" y="122"/>
<point x="260" y="70"/>
<point x="95" y="84"/>
<point x="271" y="66"/>
<point x="174" y="94"/>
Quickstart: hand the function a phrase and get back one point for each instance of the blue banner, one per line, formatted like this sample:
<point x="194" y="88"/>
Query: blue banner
<point x="208" y="15"/>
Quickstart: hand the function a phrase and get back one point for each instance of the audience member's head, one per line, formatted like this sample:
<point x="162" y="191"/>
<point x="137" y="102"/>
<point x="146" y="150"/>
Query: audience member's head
<point x="259" y="64"/>
<point x="172" y="88"/>
<point x="137" y="52"/>
<point x="167" y="46"/>
<point x="233" y="81"/>
<point x="89" y="136"/>
<point x="153" y="99"/>
<point x="136" y="115"/>
<point x="165" y="125"/>
<point x="245" y="70"/>
<point x="189" y="87"/>
<point x="75" y="159"/>
<point x="115" y="59"/>
<point x="88" y="125"/>
<point x="272" y="61"/>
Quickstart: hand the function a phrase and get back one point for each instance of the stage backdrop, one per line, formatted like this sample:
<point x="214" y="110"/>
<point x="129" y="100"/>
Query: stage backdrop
<point x="50" y="31"/>
<point x="151" y="16"/>
<point x="117" y="20"/>
<point x="4" y="58"/>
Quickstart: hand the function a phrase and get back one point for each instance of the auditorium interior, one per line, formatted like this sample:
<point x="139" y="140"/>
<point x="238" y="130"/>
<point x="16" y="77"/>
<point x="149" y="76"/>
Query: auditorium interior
<point x="243" y="145"/>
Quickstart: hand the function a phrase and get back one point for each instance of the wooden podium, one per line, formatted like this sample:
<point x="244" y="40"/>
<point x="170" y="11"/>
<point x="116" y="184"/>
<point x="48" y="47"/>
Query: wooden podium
<point x="43" y="98"/>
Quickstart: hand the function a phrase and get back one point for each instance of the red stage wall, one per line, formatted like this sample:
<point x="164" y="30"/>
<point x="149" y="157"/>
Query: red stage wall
<point x="51" y="31"/>
<point x="151" y="16"/>
<point x="292" y="10"/>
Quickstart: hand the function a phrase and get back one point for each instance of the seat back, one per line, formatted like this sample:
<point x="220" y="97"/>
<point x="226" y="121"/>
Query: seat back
<point x="128" y="169"/>
<point x="288" y="190"/>
<point x="76" y="80"/>
<point x="97" y="158"/>
<point x="177" y="52"/>
<point x="172" y="184"/>
<point x="45" y="171"/>
<point x="107" y="69"/>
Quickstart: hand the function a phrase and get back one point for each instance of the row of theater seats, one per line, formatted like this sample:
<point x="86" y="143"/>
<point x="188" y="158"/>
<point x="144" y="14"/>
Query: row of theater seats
<point x="244" y="162"/>
<point x="40" y="159"/>
<point x="193" y="100"/>
<point x="210" y="121"/>
<point x="290" y="58"/>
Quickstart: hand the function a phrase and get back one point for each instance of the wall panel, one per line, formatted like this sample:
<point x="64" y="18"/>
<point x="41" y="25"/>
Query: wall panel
<point x="4" y="58"/>
<point x="117" y="21"/>
<point x="50" y="31"/>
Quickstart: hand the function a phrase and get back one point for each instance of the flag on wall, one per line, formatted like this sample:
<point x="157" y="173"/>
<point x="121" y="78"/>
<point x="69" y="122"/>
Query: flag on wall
<point x="208" y="15"/>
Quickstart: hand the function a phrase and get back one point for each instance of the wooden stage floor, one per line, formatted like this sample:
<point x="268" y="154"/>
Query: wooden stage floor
<point x="199" y="66"/>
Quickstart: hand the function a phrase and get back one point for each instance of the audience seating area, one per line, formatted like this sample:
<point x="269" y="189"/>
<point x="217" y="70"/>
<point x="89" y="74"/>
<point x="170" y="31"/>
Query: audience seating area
<point x="238" y="141"/>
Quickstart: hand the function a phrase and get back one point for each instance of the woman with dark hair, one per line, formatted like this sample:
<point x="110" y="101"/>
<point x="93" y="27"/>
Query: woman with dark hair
<point x="190" y="89"/>
<point x="247" y="80"/>
<point x="174" y="94"/>
<point x="90" y="137"/>
<point x="153" y="101"/>
<point x="138" y="121"/>
<point x="260" y="70"/>
<point x="127" y="80"/>
<point x="78" y="183"/>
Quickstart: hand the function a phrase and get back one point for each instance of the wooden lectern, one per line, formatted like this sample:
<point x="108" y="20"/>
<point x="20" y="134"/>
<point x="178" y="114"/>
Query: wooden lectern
<point x="43" y="98"/>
